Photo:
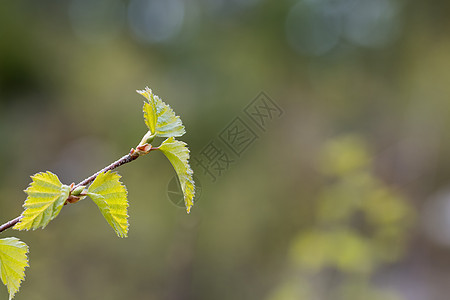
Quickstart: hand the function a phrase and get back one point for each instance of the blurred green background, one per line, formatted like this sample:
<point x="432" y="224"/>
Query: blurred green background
<point x="344" y="196"/>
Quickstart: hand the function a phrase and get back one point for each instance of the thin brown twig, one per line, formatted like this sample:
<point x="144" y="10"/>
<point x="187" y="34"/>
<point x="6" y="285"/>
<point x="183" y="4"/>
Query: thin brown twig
<point x="123" y="160"/>
<point x="10" y="223"/>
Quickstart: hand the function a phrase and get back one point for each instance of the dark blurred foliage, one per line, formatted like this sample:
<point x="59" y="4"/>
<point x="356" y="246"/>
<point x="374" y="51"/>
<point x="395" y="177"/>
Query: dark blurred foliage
<point x="345" y="196"/>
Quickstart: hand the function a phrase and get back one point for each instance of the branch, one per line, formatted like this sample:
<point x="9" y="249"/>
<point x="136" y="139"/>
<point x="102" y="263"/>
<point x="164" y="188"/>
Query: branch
<point x="141" y="150"/>
<point x="10" y="223"/>
<point x="125" y="159"/>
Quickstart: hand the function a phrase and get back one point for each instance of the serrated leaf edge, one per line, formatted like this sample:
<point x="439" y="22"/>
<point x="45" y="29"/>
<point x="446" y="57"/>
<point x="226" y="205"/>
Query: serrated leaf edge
<point x="188" y="189"/>
<point x="98" y="197"/>
<point x="22" y="275"/>
<point x="38" y="177"/>
<point x="159" y="109"/>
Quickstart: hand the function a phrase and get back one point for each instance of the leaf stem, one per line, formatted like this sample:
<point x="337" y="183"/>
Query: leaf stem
<point x="134" y="154"/>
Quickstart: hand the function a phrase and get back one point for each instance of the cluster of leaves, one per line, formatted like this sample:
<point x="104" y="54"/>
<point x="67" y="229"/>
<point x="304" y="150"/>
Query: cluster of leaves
<point x="47" y="195"/>
<point x="162" y="121"/>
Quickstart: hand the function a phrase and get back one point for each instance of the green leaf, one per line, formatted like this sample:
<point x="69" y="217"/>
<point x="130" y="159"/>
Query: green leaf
<point x="46" y="197"/>
<point x="159" y="117"/>
<point x="13" y="260"/>
<point x="149" y="112"/>
<point x="111" y="198"/>
<point x="178" y="155"/>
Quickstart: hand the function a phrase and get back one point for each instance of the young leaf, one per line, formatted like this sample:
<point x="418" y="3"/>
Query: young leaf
<point x="46" y="197"/>
<point x="178" y="155"/>
<point x="111" y="198"/>
<point x="13" y="260"/>
<point x="149" y="112"/>
<point x="159" y="117"/>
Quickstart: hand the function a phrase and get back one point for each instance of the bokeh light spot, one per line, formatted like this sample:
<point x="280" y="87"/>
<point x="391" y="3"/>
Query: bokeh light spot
<point x="372" y="23"/>
<point x="312" y="29"/>
<point x="155" y="21"/>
